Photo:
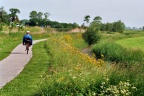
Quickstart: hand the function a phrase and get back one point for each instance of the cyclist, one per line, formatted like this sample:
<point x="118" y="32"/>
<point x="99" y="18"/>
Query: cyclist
<point x="27" y="38"/>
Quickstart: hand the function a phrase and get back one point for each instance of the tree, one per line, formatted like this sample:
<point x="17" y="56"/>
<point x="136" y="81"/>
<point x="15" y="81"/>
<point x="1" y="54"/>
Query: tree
<point x="33" y="15"/>
<point x="92" y="35"/>
<point x="33" y="18"/>
<point x="13" y="14"/>
<point x="118" y="26"/>
<point x="2" y="12"/>
<point x="75" y="25"/>
<point x="24" y="21"/>
<point x="109" y="26"/>
<point x="4" y="17"/>
<point x="97" y="19"/>
<point x="36" y="18"/>
<point x="87" y="19"/>
<point x="39" y="15"/>
<point x="46" y="15"/>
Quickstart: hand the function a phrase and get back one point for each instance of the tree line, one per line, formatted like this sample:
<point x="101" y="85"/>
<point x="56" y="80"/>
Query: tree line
<point x="41" y="19"/>
<point x="117" y="26"/>
<point x="36" y="19"/>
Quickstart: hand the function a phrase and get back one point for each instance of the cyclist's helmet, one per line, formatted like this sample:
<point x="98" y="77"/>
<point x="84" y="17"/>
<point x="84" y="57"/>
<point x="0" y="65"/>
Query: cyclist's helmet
<point x="27" y="32"/>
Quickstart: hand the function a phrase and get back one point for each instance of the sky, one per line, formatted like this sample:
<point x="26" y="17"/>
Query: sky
<point x="131" y="12"/>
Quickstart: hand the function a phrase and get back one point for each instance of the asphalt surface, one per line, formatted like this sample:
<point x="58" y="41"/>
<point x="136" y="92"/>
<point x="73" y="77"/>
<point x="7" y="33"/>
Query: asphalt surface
<point x="12" y="65"/>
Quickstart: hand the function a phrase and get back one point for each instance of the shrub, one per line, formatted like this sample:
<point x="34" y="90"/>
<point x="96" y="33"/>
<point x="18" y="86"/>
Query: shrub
<point x="92" y="35"/>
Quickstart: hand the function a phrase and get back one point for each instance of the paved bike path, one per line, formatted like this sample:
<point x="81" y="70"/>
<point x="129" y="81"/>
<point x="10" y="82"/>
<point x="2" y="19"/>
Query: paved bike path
<point x="12" y="65"/>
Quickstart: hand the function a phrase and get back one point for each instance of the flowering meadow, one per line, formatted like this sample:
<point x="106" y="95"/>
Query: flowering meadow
<point x="72" y="73"/>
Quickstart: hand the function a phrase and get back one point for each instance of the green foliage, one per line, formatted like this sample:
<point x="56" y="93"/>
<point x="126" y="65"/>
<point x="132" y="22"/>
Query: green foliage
<point x="4" y="17"/>
<point x="92" y="35"/>
<point x="117" y="53"/>
<point x="117" y="26"/>
<point x="87" y="18"/>
<point x="97" y="19"/>
<point x="13" y="14"/>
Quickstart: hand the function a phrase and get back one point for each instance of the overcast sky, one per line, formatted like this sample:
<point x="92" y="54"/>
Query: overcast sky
<point x="131" y="12"/>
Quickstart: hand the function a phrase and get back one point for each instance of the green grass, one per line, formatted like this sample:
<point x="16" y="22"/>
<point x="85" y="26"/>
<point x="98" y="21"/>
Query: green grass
<point x="59" y="68"/>
<point x="9" y="41"/>
<point x="116" y="53"/>
<point x="135" y="43"/>
<point x="27" y="83"/>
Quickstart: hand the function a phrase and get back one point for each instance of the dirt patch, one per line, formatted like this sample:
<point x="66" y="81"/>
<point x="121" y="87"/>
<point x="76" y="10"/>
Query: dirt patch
<point x="77" y="30"/>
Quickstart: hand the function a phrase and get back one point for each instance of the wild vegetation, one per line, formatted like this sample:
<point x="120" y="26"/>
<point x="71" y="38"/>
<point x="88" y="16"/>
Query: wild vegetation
<point x="59" y="68"/>
<point x="64" y="70"/>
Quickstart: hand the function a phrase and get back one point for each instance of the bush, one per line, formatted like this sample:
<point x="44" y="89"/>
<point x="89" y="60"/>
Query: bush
<point x="92" y="35"/>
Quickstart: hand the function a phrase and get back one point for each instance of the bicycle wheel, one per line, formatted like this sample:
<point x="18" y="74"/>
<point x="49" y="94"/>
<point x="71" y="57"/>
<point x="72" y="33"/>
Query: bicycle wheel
<point x="27" y="47"/>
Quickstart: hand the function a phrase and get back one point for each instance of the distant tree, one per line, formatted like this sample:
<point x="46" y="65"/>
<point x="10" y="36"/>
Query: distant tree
<point x="75" y="25"/>
<point x="36" y="18"/>
<point x="103" y="27"/>
<point x="33" y="15"/>
<point x="87" y="19"/>
<point x="33" y="18"/>
<point x="24" y="21"/>
<point x="40" y="18"/>
<point x="13" y="14"/>
<point x="109" y="27"/>
<point x="39" y="15"/>
<point x="97" y="19"/>
<point x="118" y="26"/>
<point x="2" y="12"/>
<point x="4" y="17"/>
<point x="46" y="15"/>
<point x="143" y="27"/>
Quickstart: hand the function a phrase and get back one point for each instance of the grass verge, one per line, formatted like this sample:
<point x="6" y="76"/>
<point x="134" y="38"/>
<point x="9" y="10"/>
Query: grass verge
<point x="9" y="41"/>
<point x="27" y="83"/>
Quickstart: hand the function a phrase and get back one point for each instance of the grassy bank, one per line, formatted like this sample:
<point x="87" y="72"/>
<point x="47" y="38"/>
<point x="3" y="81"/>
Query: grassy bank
<point x="74" y="73"/>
